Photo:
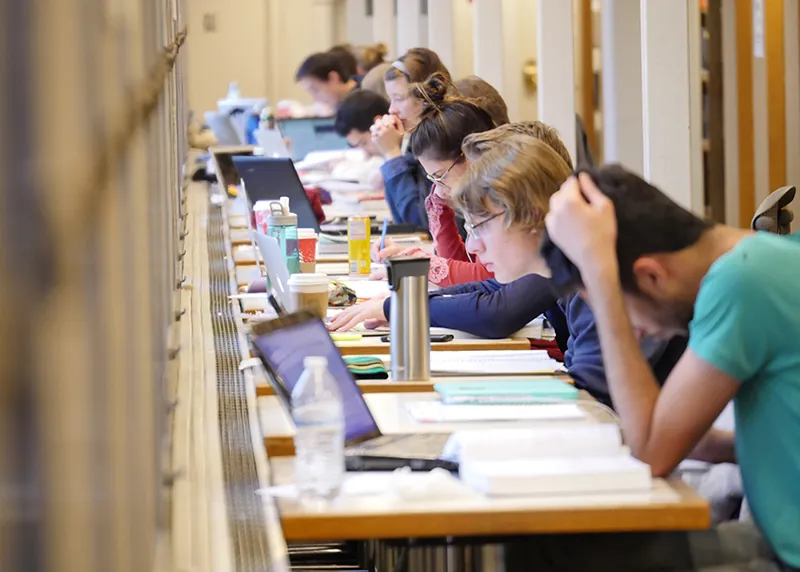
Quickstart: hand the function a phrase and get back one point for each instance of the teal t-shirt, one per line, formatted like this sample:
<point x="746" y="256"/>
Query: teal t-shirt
<point x="747" y="324"/>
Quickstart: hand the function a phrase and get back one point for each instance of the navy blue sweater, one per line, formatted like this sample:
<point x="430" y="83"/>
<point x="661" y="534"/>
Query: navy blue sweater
<point x="489" y="309"/>
<point x="405" y="187"/>
<point x="492" y="310"/>
<point x="584" y="359"/>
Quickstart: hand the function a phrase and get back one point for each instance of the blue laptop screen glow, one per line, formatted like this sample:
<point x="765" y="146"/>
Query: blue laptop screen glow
<point x="285" y="350"/>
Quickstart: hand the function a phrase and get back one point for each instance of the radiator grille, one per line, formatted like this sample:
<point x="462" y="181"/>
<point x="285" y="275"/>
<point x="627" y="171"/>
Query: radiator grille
<point x="247" y="521"/>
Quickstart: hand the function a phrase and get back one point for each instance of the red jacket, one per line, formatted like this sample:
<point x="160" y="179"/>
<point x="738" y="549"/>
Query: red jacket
<point x="450" y="265"/>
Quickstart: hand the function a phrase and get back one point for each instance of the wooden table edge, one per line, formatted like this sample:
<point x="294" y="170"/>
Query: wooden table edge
<point x="691" y="512"/>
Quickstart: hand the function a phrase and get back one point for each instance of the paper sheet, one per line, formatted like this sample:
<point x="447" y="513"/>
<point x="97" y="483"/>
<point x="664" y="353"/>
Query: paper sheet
<point x="503" y="362"/>
<point x="437" y="412"/>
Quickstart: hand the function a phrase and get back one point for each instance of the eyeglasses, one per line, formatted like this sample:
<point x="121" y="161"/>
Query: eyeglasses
<point x="439" y="179"/>
<point x="472" y="229"/>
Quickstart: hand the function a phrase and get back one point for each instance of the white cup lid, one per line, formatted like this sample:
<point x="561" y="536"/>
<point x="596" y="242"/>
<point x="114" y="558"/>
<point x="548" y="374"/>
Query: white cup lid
<point x="309" y="280"/>
<point x="306" y="233"/>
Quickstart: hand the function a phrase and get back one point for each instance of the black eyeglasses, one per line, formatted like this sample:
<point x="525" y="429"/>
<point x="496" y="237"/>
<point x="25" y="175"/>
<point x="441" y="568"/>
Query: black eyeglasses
<point x="472" y="229"/>
<point x="439" y="179"/>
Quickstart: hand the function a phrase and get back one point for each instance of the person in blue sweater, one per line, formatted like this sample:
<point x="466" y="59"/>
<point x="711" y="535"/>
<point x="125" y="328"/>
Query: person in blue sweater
<point x="405" y="183"/>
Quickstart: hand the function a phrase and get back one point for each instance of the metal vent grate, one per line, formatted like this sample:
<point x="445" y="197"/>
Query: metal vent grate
<point x="247" y="521"/>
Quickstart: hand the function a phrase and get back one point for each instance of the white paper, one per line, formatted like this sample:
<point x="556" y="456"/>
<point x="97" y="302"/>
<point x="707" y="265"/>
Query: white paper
<point x="437" y="412"/>
<point x="503" y="362"/>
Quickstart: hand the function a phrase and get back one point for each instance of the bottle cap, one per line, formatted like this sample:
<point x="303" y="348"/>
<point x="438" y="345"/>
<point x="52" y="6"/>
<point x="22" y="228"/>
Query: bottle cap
<point x="277" y="216"/>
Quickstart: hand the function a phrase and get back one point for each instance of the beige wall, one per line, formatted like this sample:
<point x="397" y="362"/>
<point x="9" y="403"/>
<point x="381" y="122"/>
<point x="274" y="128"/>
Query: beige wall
<point x="235" y="51"/>
<point x="260" y="43"/>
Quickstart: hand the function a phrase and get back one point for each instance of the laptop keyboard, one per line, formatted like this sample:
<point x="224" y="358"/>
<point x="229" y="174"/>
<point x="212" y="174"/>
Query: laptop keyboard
<point x="417" y="446"/>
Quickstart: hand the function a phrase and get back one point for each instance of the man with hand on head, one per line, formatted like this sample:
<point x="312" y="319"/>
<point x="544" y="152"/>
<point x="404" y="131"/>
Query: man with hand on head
<point x="646" y="265"/>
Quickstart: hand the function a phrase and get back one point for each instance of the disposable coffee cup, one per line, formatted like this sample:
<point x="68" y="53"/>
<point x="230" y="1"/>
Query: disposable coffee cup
<point x="309" y="292"/>
<point x="261" y="212"/>
<point x="307" y="245"/>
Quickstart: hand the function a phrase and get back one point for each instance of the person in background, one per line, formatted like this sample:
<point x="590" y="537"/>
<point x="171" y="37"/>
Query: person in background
<point x="404" y="178"/>
<point x="446" y="120"/>
<point x="326" y="78"/>
<point x="370" y="56"/>
<point x="347" y="56"/>
<point x="353" y="121"/>
<point x="473" y="87"/>
<point x="645" y="264"/>
<point x="373" y="80"/>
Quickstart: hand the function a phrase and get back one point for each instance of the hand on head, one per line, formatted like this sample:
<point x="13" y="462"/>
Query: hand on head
<point x="582" y="223"/>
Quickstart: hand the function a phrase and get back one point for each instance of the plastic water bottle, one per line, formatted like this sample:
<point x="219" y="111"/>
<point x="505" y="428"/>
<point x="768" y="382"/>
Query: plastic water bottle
<point x="319" y="439"/>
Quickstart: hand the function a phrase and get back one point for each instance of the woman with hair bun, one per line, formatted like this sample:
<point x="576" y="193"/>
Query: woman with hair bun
<point x="445" y="120"/>
<point x="404" y="178"/>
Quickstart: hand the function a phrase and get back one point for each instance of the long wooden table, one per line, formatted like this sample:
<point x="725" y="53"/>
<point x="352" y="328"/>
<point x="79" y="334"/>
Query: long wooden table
<point x="670" y="505"/>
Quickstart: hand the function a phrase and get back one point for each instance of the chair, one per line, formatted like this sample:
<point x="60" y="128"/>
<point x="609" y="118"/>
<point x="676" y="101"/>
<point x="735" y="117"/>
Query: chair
<point x="772" y="214"/>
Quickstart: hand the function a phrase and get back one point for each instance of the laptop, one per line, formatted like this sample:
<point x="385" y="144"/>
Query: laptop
<point x="222" y="127"/>
<point x="271" y="143"/>
<point x="270" y="178"/>
<point x="277" y="271"/>
<point x="222" y="157"/>
<point x="283" y="343"/>
<point x="309" y="134"/>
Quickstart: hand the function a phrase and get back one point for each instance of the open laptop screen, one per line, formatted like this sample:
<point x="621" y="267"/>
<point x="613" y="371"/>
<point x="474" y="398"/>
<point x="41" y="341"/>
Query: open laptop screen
<point x="270" y="178"/>
<point x="308" y="134"/>
<point x="286" y="347"/>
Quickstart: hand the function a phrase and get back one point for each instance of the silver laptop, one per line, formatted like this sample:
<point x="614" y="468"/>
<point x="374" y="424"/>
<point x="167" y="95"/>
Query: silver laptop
<point x="223" y="128"/>
<point x="270" y="142"/>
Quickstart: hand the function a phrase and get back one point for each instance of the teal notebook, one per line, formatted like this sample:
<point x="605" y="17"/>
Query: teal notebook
<point x="545" y="390"/>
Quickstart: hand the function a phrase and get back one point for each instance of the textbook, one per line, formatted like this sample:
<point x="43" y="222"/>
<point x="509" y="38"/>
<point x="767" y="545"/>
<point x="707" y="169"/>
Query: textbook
<point x="545" y="460"/>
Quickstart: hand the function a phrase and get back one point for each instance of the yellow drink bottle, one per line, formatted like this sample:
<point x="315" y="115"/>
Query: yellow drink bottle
<point x="358" y="229"/>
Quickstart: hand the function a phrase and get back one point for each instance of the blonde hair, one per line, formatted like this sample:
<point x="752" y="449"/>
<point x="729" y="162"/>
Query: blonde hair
<point x="485" y="95"/>
<point x="373" y="80"/>
<point x="479" y="143"/>
<point x="519" y="178"/>
<point x="370" y="56"/>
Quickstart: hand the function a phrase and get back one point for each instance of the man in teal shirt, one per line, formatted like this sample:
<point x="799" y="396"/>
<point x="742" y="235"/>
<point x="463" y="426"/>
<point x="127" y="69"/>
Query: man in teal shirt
<point x="646" y="265"/>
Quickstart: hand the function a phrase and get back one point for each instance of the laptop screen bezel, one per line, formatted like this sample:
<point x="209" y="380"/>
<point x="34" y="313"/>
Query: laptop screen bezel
<point x="266" y="327"/>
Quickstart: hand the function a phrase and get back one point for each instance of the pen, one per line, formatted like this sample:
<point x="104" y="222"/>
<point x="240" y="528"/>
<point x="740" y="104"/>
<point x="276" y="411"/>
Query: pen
<point x="383" y="233"/>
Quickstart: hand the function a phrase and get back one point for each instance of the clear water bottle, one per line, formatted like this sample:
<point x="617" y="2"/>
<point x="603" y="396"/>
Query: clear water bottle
<point x="319" y="438"/>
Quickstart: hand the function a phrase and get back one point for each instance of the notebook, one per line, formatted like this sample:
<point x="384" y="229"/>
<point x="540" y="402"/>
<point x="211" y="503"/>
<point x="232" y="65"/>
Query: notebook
<point x="506" y="392"/>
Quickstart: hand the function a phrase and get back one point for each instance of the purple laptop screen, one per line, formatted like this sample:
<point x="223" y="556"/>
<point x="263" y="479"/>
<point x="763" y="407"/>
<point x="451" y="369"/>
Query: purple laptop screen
<point x="286" y="348"/>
